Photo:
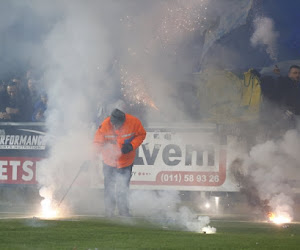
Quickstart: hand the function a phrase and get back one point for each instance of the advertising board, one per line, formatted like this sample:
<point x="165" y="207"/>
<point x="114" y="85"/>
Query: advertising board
<point x="22" y="147"/>
<point x="182" y="157"/>
<point x="192" y="157"/>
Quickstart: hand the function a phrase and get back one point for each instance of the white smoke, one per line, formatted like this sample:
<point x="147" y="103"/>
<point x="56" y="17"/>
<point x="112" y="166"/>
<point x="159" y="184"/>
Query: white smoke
<point x="77" y="51"/>
<point x="265" y="35"/>
<point x="271" y="166"/>
<point x="164" y="208"/>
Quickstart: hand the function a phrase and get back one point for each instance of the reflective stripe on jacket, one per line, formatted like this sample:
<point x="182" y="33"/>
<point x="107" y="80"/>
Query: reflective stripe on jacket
<point x="110" y="141"/>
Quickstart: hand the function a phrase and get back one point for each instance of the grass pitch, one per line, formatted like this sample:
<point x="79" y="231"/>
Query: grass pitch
<point x="99" y="233"/>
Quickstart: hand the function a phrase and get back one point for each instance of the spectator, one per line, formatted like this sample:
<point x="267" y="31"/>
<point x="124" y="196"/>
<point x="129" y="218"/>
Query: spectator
<point x="39" y="108"/>
<point x="281" y="101"/>
<point x="17" y="81"/>
<point x="2" y="89"/>
<point x="289" y="91"/>
<point x="12" y="105"/>
<point x="30" y="93"/>
<point x="3" y="96"/>
<point x="28" y="74"/>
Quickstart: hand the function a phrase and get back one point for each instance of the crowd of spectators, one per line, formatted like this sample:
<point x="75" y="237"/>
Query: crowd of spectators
<point x="22" y="99"/>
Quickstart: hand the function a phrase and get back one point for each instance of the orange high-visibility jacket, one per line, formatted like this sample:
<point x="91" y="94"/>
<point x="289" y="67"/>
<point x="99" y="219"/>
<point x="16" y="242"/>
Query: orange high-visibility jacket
<point x="110" y="141"/>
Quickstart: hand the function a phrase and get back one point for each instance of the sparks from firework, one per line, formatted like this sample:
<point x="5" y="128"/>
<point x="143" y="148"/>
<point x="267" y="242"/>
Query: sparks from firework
<point x="134" y="89"/>
<point x="178" y="19"/>
<point x="127" y="21"/>
<point x="181" y="18"/>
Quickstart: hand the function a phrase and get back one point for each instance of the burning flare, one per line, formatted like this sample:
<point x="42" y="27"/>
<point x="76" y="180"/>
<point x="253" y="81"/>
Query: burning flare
<point x="279" y="218"/>
<point x="208" y="230"/>
<point x="49" y="209"/>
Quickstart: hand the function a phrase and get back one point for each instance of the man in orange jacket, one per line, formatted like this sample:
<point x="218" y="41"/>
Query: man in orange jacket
<point x="116" y="139"/>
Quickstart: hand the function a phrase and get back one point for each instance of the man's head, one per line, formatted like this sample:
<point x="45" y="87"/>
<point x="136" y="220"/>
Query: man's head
<point x="294" y="73"/>
<point x="12" y="90"/>
<point x="31" y="84"/>
<point x="44" y="97"/>
<point x="117" y="118"/>
<point x="17" y="81"/>
<point x="28" y="74"/>
<point x="2" y="85"/>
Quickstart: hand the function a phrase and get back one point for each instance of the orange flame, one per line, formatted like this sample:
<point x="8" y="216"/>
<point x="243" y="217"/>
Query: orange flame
<point x="279" y="218"/>
<point x="271" y="216"/>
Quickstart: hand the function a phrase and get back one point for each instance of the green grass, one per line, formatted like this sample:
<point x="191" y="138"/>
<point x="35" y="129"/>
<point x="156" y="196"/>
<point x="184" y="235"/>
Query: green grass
<point x="104" y="234"/>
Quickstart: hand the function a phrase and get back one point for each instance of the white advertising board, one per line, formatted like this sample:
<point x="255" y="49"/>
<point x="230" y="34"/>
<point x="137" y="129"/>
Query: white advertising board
<point x="182" y="158"/>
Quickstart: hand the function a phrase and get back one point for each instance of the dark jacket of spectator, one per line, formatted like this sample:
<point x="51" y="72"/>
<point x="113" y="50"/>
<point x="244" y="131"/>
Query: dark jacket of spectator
<point x="31" y="97"/>
<point x="288" y="93"/>
<point x="12" y="105"/>
<point x="39" y="109"/>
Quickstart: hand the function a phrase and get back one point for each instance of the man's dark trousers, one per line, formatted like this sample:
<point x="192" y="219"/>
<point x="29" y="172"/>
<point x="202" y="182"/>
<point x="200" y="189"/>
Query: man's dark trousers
<point x="116" y="189"/>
